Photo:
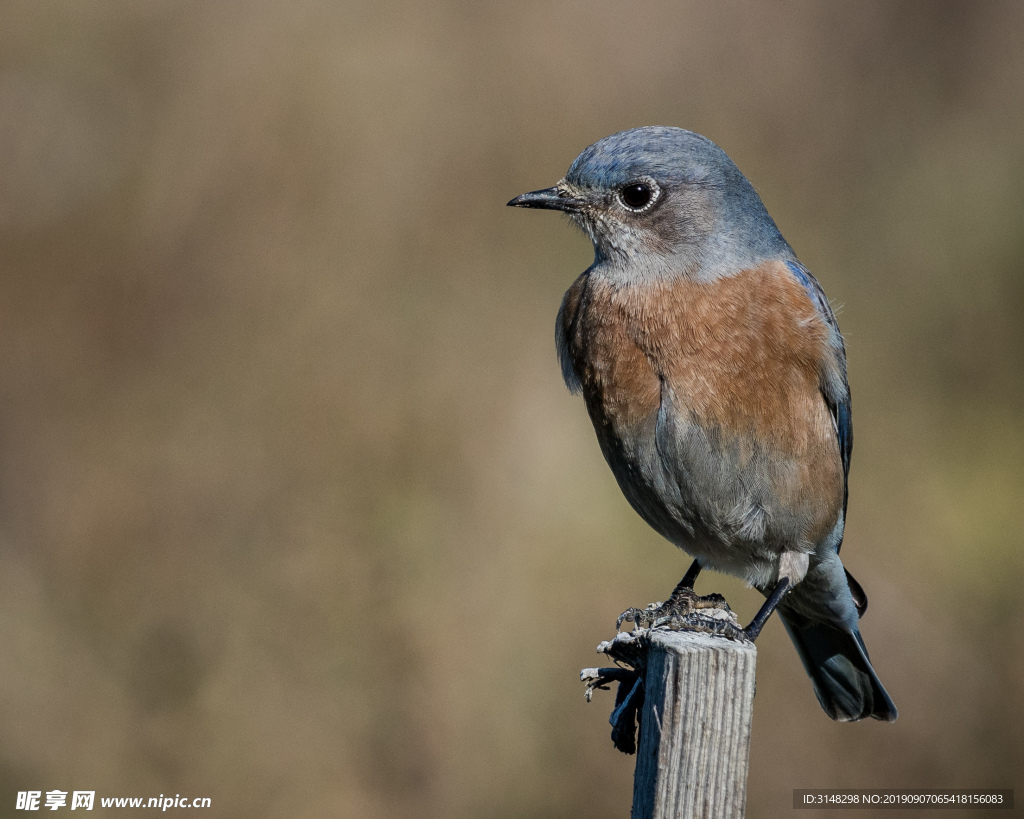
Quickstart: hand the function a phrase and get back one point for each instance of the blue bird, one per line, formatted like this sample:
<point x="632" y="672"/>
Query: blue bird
<point x="712" y="367"/>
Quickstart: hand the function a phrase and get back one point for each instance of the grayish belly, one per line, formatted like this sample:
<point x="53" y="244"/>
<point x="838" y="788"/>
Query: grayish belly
<point x="715" y="496"/>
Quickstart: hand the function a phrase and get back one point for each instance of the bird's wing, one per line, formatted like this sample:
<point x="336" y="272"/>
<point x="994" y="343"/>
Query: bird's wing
<point x="835" y="389"/>
<point x="834" y="386"/>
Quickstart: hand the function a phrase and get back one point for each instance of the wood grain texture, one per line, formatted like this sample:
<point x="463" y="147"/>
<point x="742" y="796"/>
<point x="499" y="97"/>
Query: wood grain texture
<point x="695" y="738"/>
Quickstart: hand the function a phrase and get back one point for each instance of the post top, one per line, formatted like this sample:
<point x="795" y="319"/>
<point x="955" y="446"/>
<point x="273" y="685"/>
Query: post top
<point x="697" y="641"/>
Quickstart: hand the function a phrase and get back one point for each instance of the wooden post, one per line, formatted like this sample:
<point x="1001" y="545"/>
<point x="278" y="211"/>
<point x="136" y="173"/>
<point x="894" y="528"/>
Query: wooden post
<point x="694" y="745"/>
<point x="698" y="694"/>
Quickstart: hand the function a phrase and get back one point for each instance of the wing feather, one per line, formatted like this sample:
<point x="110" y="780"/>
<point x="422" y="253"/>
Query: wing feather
<point x="834" y="385"/>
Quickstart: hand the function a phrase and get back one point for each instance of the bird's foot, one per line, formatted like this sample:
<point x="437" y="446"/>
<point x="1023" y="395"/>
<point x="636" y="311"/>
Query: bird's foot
<point x="686" y="610"/>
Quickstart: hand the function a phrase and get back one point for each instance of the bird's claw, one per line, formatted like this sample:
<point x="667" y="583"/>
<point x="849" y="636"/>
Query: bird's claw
<point x="685" y="610"/>
<point x="636" y="616"/>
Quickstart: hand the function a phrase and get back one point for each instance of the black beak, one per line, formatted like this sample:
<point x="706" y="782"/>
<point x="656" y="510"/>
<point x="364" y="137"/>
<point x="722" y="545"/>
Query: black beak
<point x="548" y="199"/>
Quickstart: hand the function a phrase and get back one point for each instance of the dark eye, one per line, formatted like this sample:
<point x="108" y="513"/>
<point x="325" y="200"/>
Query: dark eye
<point x="637" y="195"/>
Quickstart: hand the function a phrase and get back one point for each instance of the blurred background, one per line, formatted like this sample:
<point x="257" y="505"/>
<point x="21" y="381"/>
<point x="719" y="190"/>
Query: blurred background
<point x="295" y="511"/>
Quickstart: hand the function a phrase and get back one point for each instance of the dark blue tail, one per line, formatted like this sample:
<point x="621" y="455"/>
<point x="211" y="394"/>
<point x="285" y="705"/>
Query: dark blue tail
<point x="837" y="661"/>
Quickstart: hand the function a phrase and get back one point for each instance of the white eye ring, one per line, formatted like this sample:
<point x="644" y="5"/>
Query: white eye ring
<point x="642" y="184"/>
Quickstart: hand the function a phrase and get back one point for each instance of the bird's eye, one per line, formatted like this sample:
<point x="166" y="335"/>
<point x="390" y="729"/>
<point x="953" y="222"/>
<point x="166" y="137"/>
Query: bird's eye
<point x="637" y="195"/>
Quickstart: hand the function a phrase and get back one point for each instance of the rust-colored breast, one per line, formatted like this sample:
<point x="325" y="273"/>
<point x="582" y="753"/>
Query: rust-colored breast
<point x="742" y="354"/>
<point x="619" y="380"/>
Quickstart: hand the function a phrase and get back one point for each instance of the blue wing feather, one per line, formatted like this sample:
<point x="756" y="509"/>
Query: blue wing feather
<point x="839" y="406"/>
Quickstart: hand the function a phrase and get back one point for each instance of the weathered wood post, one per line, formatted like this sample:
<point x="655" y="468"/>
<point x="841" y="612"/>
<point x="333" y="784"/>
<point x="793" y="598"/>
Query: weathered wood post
<point x="697" y="693"/>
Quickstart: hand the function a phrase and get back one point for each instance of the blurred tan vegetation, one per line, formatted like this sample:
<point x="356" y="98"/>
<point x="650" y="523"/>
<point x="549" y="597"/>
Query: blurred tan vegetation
<point x="288" y="477"/>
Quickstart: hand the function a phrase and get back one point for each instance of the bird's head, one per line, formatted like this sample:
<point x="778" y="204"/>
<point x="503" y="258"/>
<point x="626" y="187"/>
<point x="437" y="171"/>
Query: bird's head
<point x="664" y="202"/>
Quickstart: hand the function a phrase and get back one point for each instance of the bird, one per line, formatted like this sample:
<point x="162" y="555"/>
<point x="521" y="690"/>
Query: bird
<point x="714" y="372"/>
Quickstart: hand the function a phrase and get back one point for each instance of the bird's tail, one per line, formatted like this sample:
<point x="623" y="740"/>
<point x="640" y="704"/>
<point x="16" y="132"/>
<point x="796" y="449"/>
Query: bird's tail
<point x="837" y="661"/>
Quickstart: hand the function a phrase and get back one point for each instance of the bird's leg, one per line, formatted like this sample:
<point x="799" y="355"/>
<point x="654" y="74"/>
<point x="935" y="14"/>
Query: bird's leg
<point x="689" y="578"/>
<point x="676" y="611"/>
<point x="751" y="631"/>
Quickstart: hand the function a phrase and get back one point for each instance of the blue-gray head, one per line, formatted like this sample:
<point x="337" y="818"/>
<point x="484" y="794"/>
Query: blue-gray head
<point x="662" y="202"/>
